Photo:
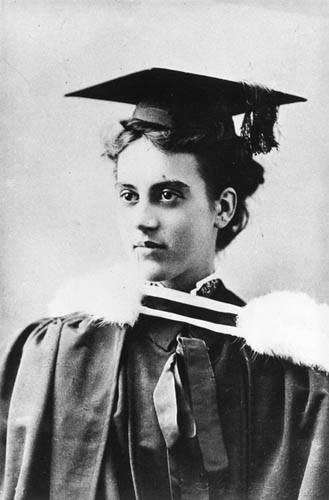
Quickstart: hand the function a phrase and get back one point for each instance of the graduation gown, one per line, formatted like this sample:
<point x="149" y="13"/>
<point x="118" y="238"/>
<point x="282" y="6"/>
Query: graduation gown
<point x="58" y="392"/>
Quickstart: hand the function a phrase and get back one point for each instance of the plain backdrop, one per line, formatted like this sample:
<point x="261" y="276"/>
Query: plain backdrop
<point x="56" y="198"/>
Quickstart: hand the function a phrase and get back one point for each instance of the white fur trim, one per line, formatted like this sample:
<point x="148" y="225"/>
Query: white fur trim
<point x="112" y="295"/>
<point x="286" y="324"/>
<point x="290" y="325"/>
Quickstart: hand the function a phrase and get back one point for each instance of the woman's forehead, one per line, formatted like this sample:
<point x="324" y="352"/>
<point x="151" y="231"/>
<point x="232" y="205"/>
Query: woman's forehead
<point x="143" y="163"/>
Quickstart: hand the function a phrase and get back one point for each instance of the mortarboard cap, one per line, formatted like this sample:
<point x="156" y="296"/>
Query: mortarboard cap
<point x="171" y="98"/>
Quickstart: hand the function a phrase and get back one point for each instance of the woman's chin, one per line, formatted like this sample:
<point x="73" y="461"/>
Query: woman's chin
<point x="152" y="271"/>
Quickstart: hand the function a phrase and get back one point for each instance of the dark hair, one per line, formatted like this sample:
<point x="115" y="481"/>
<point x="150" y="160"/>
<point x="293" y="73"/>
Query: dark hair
<point x="224" y="162"/>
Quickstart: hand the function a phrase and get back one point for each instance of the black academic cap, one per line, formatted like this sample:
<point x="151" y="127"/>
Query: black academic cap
<point x="167" y="97"/>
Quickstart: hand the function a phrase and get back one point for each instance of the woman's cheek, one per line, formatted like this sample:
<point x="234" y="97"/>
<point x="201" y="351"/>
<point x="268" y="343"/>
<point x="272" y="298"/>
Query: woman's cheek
<point x="183" y="237"/>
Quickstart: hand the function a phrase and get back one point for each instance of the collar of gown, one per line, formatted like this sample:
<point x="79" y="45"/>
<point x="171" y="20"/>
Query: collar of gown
<point x="164" y="333"/>
<point x="204" y="284"/>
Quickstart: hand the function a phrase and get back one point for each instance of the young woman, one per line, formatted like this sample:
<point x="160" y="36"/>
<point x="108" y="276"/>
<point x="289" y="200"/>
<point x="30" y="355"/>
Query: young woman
<point x="145" y="385"/>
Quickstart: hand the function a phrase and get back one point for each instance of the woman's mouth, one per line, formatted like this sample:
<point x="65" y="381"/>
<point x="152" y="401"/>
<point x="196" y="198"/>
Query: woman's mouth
<point x="149" y="244"/>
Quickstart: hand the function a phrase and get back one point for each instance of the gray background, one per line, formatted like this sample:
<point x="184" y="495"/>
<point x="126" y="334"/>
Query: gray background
<point x="57" y="211"/>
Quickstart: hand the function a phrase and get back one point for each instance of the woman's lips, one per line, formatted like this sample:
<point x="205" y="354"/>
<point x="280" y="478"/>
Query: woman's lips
<point x="150" y="245"/>
<point x="149" y="249"/>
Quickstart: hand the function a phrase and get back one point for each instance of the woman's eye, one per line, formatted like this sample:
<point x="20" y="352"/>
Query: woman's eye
<point x="129" y="196"/>
<point x="167" y="195"/>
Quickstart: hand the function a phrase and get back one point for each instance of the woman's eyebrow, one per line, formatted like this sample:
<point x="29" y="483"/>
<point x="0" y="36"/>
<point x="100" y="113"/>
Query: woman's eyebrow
<point x="120" y="185"/>
<point x="171" y="183"/>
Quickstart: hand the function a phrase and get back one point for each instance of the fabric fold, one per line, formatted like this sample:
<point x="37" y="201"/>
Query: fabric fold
<point x="191" y="411"/>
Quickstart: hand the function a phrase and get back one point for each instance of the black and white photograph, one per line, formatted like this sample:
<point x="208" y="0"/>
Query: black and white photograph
<point x="164" y="261"/>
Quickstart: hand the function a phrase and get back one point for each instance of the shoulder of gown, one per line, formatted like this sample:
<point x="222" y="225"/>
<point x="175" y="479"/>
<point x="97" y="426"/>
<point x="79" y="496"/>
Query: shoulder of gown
<point x="60" y="369"/>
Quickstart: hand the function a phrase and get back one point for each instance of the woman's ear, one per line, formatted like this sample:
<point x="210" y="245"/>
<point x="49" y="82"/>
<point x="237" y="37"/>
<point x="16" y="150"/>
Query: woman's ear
<point x="225" y="207"/>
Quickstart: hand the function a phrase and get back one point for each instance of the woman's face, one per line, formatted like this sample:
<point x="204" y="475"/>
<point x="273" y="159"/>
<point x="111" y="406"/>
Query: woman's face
<point x="165" y="219"/>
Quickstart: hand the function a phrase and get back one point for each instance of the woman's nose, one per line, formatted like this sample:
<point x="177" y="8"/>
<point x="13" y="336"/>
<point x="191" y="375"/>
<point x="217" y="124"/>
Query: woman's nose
<point x="146" y="218"/>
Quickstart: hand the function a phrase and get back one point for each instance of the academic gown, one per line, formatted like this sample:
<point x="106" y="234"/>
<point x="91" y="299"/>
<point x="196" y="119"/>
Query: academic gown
<point x="60" y="390"/>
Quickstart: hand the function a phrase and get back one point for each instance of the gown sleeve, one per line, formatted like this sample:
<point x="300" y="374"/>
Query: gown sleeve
<point x="26" y="377"/>
<point x="57" y="387"/>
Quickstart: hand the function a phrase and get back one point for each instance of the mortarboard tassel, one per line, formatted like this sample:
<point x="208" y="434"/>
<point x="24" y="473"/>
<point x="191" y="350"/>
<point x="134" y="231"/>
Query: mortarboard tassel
<point x="257" y="128"/>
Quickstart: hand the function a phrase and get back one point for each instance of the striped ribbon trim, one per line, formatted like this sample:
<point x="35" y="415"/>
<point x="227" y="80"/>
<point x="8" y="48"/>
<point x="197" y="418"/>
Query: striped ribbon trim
<point x="183" y="307"/>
